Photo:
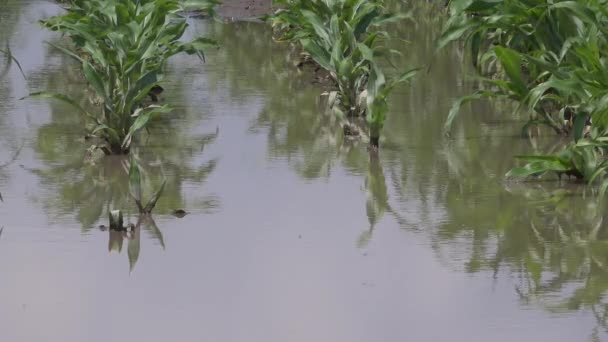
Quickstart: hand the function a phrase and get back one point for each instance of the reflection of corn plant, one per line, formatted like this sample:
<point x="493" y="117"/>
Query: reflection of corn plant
<point x="10" y="59"/>
<point x="564" y="255"/>
<point x="582" y="89"/>
<point x="550" y="241"/>
<point x="133" y="236"/>
<point x="135" y="188"/>
<point x="123" y="46"/>
<point x="338" y="36"/>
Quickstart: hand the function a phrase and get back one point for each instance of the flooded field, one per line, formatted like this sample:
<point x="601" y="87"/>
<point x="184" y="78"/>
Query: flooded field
<point x="291" y="232"/>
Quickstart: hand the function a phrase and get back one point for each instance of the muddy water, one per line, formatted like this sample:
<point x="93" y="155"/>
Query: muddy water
<point x="293" y="233"/>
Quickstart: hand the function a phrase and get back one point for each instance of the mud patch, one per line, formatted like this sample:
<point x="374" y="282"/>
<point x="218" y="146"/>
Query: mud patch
<point x="244" y="9"/>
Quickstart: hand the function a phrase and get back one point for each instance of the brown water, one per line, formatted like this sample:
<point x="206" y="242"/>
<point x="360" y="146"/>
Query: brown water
<point x="293" y="233"/>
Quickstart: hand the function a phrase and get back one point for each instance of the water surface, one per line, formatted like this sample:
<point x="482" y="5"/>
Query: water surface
<point x="293" y="233"/>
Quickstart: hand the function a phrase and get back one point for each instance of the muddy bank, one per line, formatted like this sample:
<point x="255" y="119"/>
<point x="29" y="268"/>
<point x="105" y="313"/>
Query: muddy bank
<point x="244" y="9"/>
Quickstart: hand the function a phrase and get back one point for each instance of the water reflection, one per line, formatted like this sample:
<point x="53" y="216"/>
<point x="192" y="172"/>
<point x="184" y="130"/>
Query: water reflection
<point x="449" y="194"/>
<point x="133" y="237"/>
<point x="248" y="48"/>
<point x="7" y="138"/>
<point x="75" y="186"/>
<point x="76" y="182"/>
<point x="453" y="191"/>
<point x="377" y="197"/>
<point x="550" y="240"/>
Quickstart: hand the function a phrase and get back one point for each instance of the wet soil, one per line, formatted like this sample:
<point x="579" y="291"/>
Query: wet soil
<point x="244" y="9"/>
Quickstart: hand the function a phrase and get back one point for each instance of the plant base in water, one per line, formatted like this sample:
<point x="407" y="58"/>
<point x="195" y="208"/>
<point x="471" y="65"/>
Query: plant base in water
<point x="116" y="220"/>
<point x="374" y="142"/>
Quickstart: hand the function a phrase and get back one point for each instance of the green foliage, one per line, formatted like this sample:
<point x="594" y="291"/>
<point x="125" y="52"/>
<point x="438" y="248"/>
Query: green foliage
<point x="123" y="46"/>
<point x="378" y="90"/>
<point x="343" y="37"/>
<point x="539" y="47"/>
<point x="549" y="57"/>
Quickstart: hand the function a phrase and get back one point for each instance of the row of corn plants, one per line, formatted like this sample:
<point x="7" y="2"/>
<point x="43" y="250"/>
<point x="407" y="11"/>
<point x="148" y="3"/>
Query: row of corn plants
<point x="122" y="47"/>
<point x="345" y="38"/>
<point x="549" y="57"/>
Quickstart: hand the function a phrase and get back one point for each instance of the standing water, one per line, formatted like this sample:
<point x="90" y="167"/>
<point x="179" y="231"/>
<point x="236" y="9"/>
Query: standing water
<point x="292" y="232"/>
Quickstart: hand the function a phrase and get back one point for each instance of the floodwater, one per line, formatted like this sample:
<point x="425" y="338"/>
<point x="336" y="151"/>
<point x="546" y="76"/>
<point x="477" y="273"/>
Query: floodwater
<point x="293" y="233"/>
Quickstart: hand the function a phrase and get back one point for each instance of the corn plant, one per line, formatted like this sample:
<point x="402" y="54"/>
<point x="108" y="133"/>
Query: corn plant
<point x="549" y="57"/>
<point x="580" y="86"/>
<point x="342" y="37"/>
<point x="379" y="88"/>
<point x="123" y="46"/>
<point x="525" y="43"/>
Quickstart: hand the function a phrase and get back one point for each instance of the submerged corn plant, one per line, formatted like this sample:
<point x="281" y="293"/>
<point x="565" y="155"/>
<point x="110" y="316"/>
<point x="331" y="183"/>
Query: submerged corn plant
<point x="548" y="57"/>
<point x="137" y="184"/>
<point x="123" y="46"/>
<point x="343" y="37"/>
<point x="518" y="46"/>
<point x="118" y="231"/>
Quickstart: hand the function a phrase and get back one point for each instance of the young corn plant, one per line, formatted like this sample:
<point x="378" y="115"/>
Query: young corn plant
<point x="123" y="46"/>
<point x="342" y="37"/>
<point x="548" y="56"/>
<point x="586" y="82"/>
<point x="379" y="88"/>
<point x="518" y="45"/>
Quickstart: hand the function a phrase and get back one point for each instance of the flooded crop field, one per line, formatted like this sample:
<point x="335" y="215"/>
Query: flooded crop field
<point x="274" y="222"/>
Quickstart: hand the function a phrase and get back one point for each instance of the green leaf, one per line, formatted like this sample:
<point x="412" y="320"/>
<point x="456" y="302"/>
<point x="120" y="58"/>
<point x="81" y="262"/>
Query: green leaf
<point x="453" y="33"/>
<point x="457" y="6"/>
<point x="598" y="172"/>
<point x="511" y="61"/>
<point x="527" y="170"/>
<point x="62" y="98"/>
<point x="457" y="105"/>
<point x="482" y="5"/>
<point x="67" y="52"/>
<point x="111" y="133"/>
<point x="94" y="79"/>
<point x="582" y="12"/>
<point x="320" y="55"/>
<point x="152" y="202"/>
<point x="539" y="165"/>
<point x="362" y="25"/>
<point x="142" y="121"/>
<point x="408" y="75"/>
<point x="142" y="87"/>
<point x="580" y="120"/>
<point x="317" y="25"/>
